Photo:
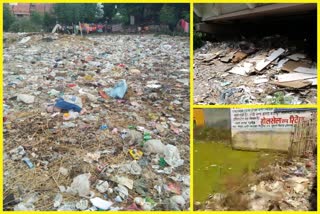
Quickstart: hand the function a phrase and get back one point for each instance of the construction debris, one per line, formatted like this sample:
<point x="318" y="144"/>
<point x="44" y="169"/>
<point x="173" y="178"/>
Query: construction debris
<point x="79" y="114"/>
<point x="258" y="69"/>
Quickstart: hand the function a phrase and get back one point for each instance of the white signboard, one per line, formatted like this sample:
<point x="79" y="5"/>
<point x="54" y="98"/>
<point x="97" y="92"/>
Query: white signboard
<point x="265" y="119"/>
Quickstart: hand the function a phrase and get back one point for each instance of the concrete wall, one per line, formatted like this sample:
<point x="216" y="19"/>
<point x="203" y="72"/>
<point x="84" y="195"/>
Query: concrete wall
<point x="218" y="118"/>
<point x="263" y="140"/>
<point x="251" y="131"/>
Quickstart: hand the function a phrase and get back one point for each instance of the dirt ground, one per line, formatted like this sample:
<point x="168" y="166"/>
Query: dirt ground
<point x="97" y="143"/>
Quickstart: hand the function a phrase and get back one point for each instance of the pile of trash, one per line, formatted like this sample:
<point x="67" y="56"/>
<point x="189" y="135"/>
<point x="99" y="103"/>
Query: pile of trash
<point x="288" y="185"/>
<point x="96" y="122"/>
<point x="270" y="71"/>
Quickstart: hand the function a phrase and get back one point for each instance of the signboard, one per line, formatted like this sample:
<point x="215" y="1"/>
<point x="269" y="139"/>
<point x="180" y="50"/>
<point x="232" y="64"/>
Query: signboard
<point x="265" y="119"/>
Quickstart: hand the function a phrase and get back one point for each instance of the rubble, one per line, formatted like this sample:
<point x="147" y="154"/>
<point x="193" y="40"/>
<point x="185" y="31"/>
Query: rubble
<point x="262" y="70"/>
<point x="129" y="110"/>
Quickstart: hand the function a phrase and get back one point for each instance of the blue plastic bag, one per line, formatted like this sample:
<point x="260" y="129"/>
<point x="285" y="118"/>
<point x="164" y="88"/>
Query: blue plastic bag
<point x="69" y="102"/>
<point x="118" y="91"/>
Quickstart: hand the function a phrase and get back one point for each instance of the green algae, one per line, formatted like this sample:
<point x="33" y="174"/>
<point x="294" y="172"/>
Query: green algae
<point x="215" y="162"/>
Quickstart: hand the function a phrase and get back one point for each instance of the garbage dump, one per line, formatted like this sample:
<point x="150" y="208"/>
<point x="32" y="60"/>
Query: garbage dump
<point x="255" y="53"/>
<point x="96" y="122"/>
<point x="286" y="185"/>
<point x="268" y="71"/>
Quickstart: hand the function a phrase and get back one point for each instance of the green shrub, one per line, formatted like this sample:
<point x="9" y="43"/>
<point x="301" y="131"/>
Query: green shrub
<point x="24" y="25"/>
<point x="8" y="18"/>
<point x="168" y="15"/>
<point x="198" y="40"/>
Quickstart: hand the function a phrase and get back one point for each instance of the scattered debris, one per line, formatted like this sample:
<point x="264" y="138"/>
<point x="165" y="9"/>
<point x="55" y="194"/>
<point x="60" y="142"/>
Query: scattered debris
<point x="277" y="188"/>
<point x="254" y="67"/>
<point x="117" y="104"/>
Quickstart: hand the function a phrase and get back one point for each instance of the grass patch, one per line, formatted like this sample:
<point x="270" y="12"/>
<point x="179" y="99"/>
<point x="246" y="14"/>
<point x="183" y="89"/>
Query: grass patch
<point x="212" y="134"/>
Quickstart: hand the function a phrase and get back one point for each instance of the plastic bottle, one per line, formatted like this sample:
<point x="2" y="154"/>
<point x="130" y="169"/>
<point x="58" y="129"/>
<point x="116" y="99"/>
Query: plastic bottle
<point x="70" y="115"/>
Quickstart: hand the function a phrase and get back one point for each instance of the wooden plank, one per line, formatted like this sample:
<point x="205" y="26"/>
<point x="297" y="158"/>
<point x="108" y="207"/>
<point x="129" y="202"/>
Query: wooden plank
<point x="297" y="56"/>
<point x="293" y="84"/>
<point x="263" y="63"/>
<point x="294" y="76"/>
<point x="313" y="81"/>
<point x="290" y="66"/>
<point x="306" y="70"/>
<point x="239" y="56"/>
<point x="243" y="70"/>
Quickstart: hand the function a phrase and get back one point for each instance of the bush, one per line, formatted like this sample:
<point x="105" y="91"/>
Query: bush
<point x="121" y="17"/>
<point x="36" y="18"/>
<point x="198" y="40"/>
<point x="24" y="25"/>
<point x="48" y="22"/>
<point x="168" y="15"/>
<point x="8" y="18"/>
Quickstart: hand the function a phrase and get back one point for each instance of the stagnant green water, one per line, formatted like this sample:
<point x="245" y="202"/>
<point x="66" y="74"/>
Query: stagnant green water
<point x="213" y="162"/>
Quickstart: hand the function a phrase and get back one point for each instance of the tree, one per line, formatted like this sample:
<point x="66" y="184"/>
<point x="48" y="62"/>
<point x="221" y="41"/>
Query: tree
<point x="36" y="18"/>
<point x="8" y="17"/>
<point x="121" y="16"/>
<point x="168" y="15"/>
<point x="109" y="11"/>
<point x="99" y="11"/>
<point x="73" y="13"/>
<point x="48" y="22"/>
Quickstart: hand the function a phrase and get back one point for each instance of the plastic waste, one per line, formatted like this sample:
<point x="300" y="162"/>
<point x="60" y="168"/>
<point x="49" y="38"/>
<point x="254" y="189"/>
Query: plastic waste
<point x="123" y="181"/>
<point x="17" y="153"/>
<point x="135" y="168"/>
<point x="70" y="115"/>
<point x="133" y="137"/>
<point x="28" y="162"/>
<point x="102" y="186"/>
<point x="23" y="207"/>
<point x="139" y="201"/>
<point x="172" y="156"/>
<point x="27" y="203"/>
<point x="91" y="97"/>
<point x="62" y="188"/>
<point x="69" y="102"/>
<point x="154" y="147"/>
<point x="68" y="125"/>
<point x="68" y="206"/>
<point x="118" y="91"/>
<point x="153" y="84"/>
<point x="147" y="206"/>
<point x="53" y="92"/>
<point x="80" y="185"/>
<point x="63" y="171"/>
<point x="103" y="127"/>
<point x="135" y="154"/>
<point x="186" y="194"/>
<point x="100" y="203"/>
<point x="162" y="162"/>
<point x="24" y="40"/>
<point x="118" y="199"/>
<point x="122" y="191"/>
<point x="177" y="202"/>
<point x="28" y="99"/>
<point x="82" y="204"/>
<point x="57" y="200"/>
<point x="91" y="157"/>
<point x="146" y="136"/>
